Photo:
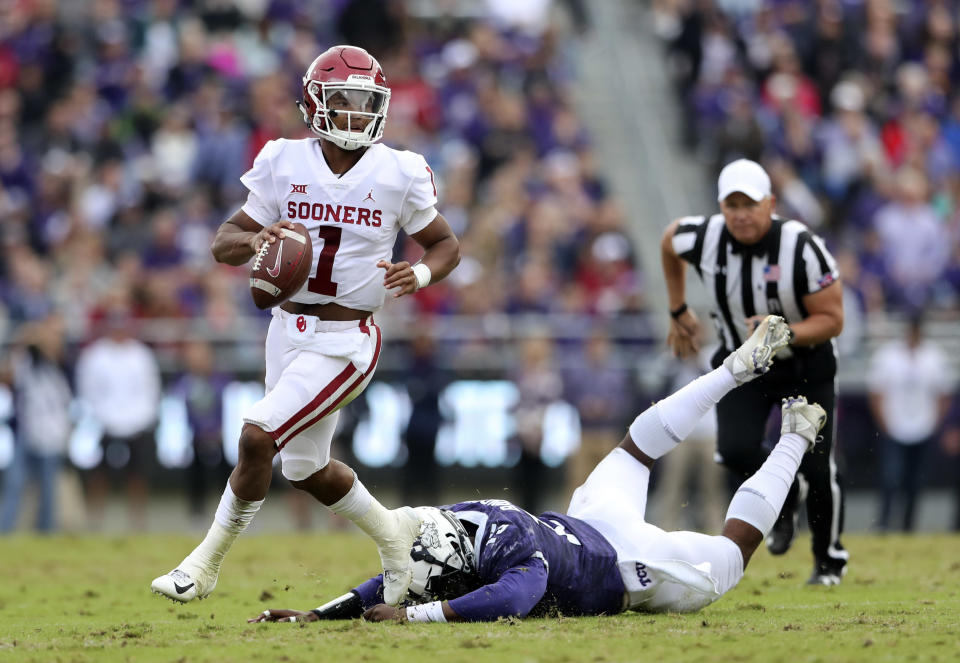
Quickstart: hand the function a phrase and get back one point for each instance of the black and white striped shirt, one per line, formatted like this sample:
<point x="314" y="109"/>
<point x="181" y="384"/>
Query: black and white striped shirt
<point x="772" y="276"/>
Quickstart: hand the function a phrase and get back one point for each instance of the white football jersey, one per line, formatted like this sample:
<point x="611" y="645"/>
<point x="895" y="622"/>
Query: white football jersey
<point x="352" y="219"/>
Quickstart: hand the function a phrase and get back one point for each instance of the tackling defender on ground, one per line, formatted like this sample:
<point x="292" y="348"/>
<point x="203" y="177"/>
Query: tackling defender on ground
<point x="482" y="560"/>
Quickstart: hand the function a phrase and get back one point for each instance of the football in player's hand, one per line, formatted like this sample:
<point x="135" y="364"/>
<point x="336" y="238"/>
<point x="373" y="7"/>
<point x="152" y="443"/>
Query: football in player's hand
<point x="279" y="269"/>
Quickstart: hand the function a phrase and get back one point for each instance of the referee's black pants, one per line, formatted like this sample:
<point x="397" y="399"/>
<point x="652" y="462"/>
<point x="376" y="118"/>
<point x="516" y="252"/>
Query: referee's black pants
<point x="741" y="425"/>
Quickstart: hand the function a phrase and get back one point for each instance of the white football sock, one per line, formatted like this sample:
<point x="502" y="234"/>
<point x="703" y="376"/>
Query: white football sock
<point x="366" y="512"/>
<point x="232" y="517"/>
<point x="393" y="532"/>
<point x="663" y="426"/>
<point x="759" y="499"/>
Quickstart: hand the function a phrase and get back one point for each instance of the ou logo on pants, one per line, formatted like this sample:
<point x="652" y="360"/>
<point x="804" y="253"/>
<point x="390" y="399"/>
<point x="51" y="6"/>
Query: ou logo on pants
<point x="301" y="324"/>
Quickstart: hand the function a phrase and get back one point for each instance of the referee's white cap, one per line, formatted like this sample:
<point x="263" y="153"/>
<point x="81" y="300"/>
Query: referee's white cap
<point x="743" y="176"/>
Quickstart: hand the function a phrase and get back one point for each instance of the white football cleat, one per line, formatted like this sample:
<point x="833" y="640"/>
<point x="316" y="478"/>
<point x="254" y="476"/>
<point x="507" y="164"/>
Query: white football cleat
<point x="183" y="587"/>
<point x="803" y="418"/>
<point x="755" y="356"/>
<point x="395" y="555"/>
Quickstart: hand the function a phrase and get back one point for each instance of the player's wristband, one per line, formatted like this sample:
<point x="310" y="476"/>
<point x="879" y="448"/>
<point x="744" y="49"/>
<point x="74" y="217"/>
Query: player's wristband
<point x="680" y="310"/>
<point x="426" y="612"/>
<point x="423" y="274"/>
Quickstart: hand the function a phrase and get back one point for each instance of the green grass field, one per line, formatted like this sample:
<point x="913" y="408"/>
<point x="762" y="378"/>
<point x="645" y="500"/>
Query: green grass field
<point x="87" y="599"/>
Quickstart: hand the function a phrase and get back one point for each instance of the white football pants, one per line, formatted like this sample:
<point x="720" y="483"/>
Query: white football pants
<point x="314" y="368"/>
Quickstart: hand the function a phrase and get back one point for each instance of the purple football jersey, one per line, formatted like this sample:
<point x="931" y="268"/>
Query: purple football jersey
<point x="560" y="564"/>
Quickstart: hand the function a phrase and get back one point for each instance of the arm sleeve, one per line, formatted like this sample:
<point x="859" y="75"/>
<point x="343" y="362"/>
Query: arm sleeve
<point x="153" y="383"/>
<point x="943" y="376"/>
<point x="83" y="377"/>
<point x="688" y="238"/>
<point x="419" y="203"/>
<point x="348" y="606"/>
<point x="821" y="268"/>
<point x="370" y="592"/>
<point x="514" y="594"/>
<point x="262" y="205"/>
<point x="876" y="371"/>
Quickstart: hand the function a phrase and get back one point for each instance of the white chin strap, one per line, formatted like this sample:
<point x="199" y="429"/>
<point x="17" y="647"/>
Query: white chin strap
<point x="342" y="143"/>
<point x="347" y="140"/>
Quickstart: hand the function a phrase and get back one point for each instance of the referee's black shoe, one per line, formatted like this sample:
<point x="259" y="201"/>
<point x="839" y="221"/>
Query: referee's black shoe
<point x="784" y="530"/>
<point x="827" y="573"/>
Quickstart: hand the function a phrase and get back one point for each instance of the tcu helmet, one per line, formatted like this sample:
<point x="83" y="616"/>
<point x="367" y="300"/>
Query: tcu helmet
<point x="357" y="77"/>
<point x="443" y="564"/>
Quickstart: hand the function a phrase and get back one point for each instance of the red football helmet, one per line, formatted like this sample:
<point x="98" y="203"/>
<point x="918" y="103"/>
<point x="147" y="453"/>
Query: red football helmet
<point x="348" y="80"/>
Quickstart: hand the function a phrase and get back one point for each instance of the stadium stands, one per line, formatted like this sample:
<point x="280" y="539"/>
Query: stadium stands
<point x="124" y="128"/>
<point x="851" y="106"/>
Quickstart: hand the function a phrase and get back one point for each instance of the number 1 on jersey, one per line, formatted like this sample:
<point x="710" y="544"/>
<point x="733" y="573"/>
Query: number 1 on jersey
<point x="322" y="283"/>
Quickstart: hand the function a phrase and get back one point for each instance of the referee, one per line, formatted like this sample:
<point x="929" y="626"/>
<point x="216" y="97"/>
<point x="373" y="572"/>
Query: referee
<point x="755" y="263"/>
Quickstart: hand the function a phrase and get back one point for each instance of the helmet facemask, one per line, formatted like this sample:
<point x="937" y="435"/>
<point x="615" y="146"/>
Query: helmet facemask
<point x="357" y="97"/>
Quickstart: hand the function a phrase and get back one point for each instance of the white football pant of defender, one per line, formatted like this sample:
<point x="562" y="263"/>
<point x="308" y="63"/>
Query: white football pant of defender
<point x="754" y="508"/>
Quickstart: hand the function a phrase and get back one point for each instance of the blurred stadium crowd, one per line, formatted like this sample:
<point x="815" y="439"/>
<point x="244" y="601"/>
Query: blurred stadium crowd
<point x="852" y="107"/>
<point x="125" y="126"/>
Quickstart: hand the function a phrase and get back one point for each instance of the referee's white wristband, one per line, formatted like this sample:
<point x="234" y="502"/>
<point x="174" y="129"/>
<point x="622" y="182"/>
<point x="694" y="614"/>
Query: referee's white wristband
<point x="423" y="274"/>
<point x="426" y="612"/>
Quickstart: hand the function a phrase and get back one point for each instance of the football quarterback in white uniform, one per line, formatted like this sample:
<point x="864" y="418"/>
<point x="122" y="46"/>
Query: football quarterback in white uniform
<point x="322" y="347"/>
